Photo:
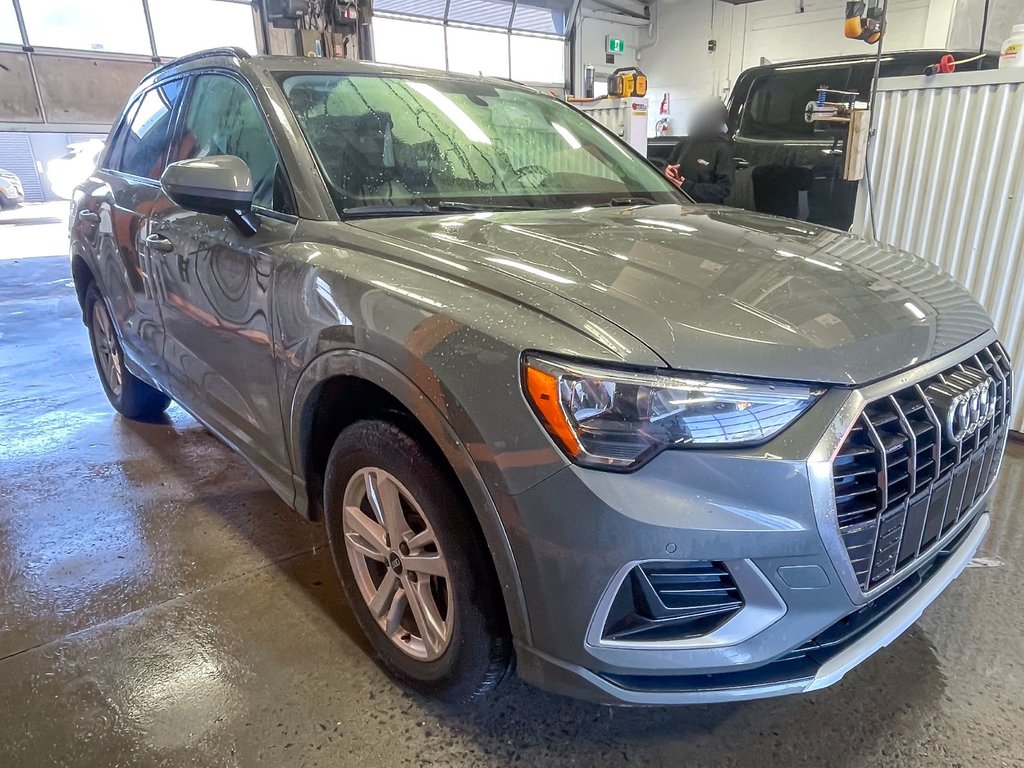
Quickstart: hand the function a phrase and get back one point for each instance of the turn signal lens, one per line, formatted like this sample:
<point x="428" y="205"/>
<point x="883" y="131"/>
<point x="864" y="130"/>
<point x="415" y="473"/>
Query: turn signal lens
<point x="543" y="390"/>
<point x="620" y="419"/>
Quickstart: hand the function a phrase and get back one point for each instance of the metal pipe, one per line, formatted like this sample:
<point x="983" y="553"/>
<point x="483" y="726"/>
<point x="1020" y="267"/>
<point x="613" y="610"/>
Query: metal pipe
<point x="871" y="118"/>
<point x="654" y="28"/>
<point x="21" y="25"/>
<point x="984" y="28"/>
<point x="264" y="25"/>
<point x="27" y="48"/>
<point x="150" y="31"/>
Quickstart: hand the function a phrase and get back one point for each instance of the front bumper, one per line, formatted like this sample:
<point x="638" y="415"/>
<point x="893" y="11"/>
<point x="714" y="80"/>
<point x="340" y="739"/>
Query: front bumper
<point x="764" y="515"/>
<point x="11" y="197"/>
<point x="775" y="679"/>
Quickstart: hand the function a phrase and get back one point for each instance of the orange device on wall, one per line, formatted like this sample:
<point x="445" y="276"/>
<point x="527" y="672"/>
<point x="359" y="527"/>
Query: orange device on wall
<point x="864" y="22"/>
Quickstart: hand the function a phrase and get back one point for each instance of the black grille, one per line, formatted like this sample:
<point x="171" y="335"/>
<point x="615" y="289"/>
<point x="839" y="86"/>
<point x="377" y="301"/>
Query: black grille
<point x="672" y="601"/>
<point x="901" y="484"/>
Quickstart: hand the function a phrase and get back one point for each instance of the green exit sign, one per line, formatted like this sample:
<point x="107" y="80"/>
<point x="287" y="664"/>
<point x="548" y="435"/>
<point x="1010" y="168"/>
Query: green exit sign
<point x="616" y="45"/>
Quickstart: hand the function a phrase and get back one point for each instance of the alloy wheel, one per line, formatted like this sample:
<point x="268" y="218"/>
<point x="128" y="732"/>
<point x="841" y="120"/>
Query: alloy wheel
<point x="398" y="564"/>
<point x="108" y="350"/>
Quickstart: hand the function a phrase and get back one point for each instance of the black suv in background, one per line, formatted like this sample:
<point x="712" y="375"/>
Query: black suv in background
<point x="785" y="165"/>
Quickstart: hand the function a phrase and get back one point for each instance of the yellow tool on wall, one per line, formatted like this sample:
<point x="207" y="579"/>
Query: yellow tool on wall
<point x="864" y="22"/>
<point x="626" y="82"/>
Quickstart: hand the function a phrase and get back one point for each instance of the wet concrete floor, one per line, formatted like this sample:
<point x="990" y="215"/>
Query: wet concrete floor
<point x="160" y="607"/>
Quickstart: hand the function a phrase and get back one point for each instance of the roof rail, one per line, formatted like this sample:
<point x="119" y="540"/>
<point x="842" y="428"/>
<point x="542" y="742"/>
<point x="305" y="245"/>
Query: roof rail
<point x="238" y="53"/>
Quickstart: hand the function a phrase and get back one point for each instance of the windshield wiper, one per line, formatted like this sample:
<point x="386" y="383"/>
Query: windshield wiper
<point x="446" y="206"/>
<point x="370" y="211"/>
<point x="624" y="201"/>
<point x="457" y="205"/>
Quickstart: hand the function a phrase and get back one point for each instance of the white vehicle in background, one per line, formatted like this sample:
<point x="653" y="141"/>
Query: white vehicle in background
<point x="67" y="172"/>
<point x="12" y="194"/>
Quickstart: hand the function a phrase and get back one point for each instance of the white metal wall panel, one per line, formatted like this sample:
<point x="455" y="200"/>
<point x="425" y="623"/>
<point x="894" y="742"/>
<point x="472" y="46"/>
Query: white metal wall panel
<point x="947" y="171"/>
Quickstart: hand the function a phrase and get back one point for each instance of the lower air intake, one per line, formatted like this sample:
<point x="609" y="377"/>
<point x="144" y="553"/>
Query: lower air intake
<point x="672" y="600"/>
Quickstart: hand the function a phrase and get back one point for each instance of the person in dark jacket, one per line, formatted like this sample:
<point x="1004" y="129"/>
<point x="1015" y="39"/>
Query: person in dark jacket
<point x="701" y="164"/>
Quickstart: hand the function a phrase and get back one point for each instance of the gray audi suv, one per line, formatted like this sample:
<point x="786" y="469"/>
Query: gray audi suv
<point x="548" y="410"/>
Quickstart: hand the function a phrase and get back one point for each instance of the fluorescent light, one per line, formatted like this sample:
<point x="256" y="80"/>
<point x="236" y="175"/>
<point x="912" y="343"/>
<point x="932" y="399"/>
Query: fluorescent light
<point x="792" y="67"/>
<point x="691" y="400"/>
<point x="668" y="224"/>
<point x="410" y="294"/>
<point x="913" y="309"/>
<point x="451" y="110"/>
<point x="542" y="273"/>
<point x="809" y="260"/>
<point x="571" y="140"/>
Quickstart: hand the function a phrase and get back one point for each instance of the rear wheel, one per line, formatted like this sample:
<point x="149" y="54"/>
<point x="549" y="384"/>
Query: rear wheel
<point x="414" y="567"/>
<point x="130" y="396"/>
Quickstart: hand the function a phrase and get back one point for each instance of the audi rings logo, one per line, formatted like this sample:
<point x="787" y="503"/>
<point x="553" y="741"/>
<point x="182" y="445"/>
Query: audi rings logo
<point x="971" y="410"/>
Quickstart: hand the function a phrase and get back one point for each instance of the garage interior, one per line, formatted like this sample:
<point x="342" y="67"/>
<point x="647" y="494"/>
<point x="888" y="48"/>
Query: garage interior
<point x="162" y="606"/>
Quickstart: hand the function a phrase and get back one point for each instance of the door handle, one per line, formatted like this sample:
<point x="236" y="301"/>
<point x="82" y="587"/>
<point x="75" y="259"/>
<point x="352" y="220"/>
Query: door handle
<point x="87" y="215"/>
<point x="740" y="163"/>
<point x="159" y="243"/>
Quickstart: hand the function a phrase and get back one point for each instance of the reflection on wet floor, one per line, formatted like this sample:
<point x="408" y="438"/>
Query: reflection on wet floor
<point x="162" y="607"/>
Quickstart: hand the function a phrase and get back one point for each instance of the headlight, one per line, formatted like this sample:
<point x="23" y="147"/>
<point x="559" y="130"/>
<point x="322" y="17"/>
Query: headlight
<point x="620" y="419"/>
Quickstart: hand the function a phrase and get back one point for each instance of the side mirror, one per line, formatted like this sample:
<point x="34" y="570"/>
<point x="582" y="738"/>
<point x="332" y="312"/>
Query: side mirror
<point x="220" y="185"/>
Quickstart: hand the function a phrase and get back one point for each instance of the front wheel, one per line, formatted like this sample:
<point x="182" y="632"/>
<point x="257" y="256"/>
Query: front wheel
<point x="130" y="395"/>
<point x="414" y="567"/>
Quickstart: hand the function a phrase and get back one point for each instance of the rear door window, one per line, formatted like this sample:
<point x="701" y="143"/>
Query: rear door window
<point x="777" y="103"/>
<point x="115" y="152"/>
<point x="141" y="146"/>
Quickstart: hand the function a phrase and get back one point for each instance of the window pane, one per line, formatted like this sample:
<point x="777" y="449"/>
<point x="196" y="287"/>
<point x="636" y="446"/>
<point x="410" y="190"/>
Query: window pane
<point x="119" y="26"/>
<point x="490" y="13"/>
<point x="475" y="52"/>
<point x="431" y="8"/>
<point x="531" y="19"/>
<point x="9" y="32"/>
<point x="776" y="104"/>
<point x="177" y="31"/>
<point x="538" y="59"/>
<point x="222" y="119"/>
<point x="396" y="41"/>
<point x="112" y="161"/>
<point x="145" y="140"/>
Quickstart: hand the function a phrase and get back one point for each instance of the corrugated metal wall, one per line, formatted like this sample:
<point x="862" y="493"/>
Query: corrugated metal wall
<point x="947" y="172"/>
<point x="16" y="156"/>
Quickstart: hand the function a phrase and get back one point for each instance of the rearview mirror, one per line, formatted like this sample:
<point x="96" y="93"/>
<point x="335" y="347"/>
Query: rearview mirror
<point x="220" y="185"/>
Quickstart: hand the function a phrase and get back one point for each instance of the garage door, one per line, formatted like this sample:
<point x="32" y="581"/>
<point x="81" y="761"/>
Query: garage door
<point x="16" y="156"/>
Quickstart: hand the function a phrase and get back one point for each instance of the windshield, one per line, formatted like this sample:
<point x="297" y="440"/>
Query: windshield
<point x="416" y="146"/>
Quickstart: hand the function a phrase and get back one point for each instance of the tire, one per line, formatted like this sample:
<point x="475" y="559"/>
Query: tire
<point x="472" y="654"/>
<point x="130" y="396"/>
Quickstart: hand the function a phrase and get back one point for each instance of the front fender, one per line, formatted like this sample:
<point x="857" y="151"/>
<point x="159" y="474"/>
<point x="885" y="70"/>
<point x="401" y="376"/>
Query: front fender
<point x="357" y="364"/>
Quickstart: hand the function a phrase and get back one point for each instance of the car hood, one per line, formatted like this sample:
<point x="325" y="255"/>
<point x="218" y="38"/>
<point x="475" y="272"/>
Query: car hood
<point x="720" y="290"/>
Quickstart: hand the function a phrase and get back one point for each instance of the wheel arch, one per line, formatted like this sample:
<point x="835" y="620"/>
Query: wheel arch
<point x="372" y="388"/>
<point x="82" y="275"/>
